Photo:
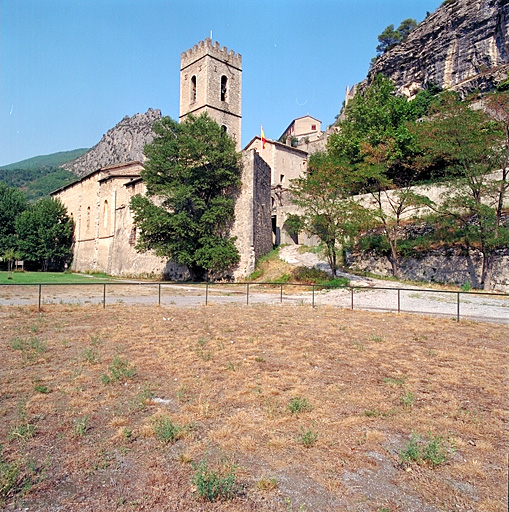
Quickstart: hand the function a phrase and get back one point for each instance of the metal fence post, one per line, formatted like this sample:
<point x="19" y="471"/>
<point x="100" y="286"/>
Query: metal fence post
<point x="458" y="311"/>
<point x="206" y="293"/>
<point x="159" y="295"/>
<point x="104" y="295"/>
<point x="399" y="300"/>
<point x="247" y="295"/>
<point x="313" y="288"/>
<point x="351" y="290"/>
<point x="40" y="286"/>
<point x="281" y="295"/>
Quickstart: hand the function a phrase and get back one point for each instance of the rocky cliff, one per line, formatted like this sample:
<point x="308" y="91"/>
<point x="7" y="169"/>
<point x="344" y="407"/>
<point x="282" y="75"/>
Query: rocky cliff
<point x="123" y="143"/>
<point x="463" y="46"/>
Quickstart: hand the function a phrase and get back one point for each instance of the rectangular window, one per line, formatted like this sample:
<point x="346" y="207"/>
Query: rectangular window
<point x="313" y="126"/>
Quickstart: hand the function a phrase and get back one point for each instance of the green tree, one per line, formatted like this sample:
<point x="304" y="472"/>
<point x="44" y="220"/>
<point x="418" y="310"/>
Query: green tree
<point x="12" y="204"/>
<point x="192" y="177"/>
<point x="329" y="212"/>
<point x="471" y="143"/>
<point x="390" y="36"/>
<point x="376" y="144"/>
<point x="45" y="234"/>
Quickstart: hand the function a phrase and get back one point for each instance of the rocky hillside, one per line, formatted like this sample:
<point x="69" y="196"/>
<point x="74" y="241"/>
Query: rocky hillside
<point x="463" y="46"/>
<point x="123" y="143"/>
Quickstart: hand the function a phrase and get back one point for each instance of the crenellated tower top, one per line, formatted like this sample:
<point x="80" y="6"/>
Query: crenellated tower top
<point x="214" y="50"/>
<point x="211" y="81"/>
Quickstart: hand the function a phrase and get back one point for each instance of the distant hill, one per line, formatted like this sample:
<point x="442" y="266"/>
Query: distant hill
<point x="40" y="175"/>
<point x="53" y="160"/>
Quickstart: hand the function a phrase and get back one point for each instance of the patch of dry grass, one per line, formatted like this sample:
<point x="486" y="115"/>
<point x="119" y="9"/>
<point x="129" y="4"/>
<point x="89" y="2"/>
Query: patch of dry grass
<point x="226" y="375"/>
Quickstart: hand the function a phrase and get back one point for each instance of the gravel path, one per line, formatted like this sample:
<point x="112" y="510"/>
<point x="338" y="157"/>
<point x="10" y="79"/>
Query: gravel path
<point x="365" y="295"/>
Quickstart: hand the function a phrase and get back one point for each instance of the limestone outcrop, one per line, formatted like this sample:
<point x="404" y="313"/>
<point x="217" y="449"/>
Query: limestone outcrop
<point x="123" y="143"/>
<point x="463" y="46"/>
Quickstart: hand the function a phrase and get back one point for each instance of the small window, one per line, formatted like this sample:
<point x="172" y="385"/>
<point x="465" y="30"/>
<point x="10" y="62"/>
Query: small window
<point x="224" y="128"/>
<point x="282" y="178"/>
<point x="224" y="87"/>
<point x="193" y="88"/>
<point x="313" y="126"/>
<point x="106" y="214"/>
<point x="88" y="218"/>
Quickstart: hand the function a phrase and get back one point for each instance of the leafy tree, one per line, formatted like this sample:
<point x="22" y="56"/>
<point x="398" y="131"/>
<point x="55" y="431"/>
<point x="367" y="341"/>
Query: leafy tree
<point x="192" y="177"/>
<point x="45" y="233"/>
<point x="12" y="203"/>
<point x="472" y="143"/>
<point x="376" y="144"/>
<point x="330" y="213"/>
<point x="390" y="37"/>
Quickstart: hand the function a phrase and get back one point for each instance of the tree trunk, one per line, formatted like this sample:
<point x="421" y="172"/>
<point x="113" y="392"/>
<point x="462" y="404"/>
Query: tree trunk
<point x="487" y="270"/>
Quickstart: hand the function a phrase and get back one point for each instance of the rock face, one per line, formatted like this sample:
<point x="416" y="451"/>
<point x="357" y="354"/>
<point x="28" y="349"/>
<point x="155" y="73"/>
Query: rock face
<point x="463" y="46"/>
<point x="123" y="143"/>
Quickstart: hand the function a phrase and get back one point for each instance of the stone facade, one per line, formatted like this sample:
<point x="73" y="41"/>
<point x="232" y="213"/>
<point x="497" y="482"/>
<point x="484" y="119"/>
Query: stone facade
<point x="304" y="128"/>
<point x="104" y="234"/>
<point x="211" y="81"/>
<point x="252" y="213"/>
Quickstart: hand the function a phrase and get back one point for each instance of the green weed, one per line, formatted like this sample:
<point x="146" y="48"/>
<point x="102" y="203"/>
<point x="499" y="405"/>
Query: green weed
<point x="212" y="485"/>
<point x="431" y="449"/>
<point x="299" y="404"/>
<point x="80" y="426"/>
<point x="395" y="381"/>
<point x="307" y="437"/>
<point x="120" y="369"/>
<point x="407" y="399"/>
<point x="167" y="431"/>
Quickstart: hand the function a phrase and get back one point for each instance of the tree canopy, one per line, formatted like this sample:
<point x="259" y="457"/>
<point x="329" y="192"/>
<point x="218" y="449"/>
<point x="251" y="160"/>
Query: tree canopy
<point x="390" y="36"/>
<point x="45" y="234"/>
<point x="192" y="177"/>
<point x="12" y="203"/>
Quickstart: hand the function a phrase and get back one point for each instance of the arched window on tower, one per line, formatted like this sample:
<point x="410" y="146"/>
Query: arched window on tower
<point x="224" y="87"/>
<point x="224" y="128"/>
<point x="193" y="88"/>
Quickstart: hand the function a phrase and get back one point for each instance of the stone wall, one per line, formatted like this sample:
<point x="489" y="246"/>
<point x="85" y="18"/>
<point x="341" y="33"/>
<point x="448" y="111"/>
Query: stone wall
<point x="252" y="225"/>
<point x="444" y="265"/>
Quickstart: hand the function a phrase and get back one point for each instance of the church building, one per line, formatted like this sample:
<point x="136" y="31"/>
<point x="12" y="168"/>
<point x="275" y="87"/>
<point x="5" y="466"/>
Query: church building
<point x="210" y="81"/>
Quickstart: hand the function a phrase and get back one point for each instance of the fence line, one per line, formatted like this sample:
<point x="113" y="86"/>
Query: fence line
<point x="211" y="286"/>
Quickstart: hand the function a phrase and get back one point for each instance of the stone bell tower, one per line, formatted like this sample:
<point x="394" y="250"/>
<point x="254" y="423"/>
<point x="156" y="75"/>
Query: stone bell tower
<point x="211" y="81"/>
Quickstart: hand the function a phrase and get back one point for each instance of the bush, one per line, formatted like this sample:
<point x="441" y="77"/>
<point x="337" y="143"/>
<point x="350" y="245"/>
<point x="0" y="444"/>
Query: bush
<point x="213" y="485"/>
<point x="298" y="404"/>
<point x="430" y="449"/>
<point x="166" y="431"/>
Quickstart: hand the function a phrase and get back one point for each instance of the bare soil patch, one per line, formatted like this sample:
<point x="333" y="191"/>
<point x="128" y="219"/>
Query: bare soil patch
<point x="315" y="408"/>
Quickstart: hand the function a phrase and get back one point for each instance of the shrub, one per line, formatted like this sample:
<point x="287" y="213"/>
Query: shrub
<point x="119" y="369"/>
<point x="167" y="431"/>
<point x="298" y="404"/>
<point x="432" y="449"/>
<point x="213" y="485"/>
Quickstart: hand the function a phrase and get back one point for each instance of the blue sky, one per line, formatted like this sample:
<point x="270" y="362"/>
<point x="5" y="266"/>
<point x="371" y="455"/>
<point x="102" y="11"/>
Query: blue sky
<point x="72" y="69"/>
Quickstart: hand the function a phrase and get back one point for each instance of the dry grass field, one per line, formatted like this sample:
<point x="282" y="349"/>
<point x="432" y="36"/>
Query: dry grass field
<point x="250" y="408"/>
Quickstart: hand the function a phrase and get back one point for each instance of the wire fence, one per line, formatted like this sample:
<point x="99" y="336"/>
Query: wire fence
<point x="457" y="304"/>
